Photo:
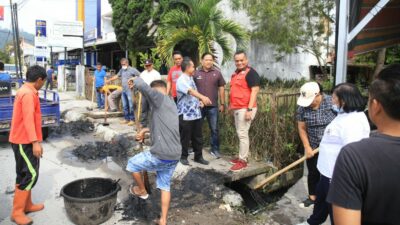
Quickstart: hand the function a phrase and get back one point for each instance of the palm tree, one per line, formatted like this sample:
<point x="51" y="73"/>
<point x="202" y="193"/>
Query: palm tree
<point x="198" y="21"/>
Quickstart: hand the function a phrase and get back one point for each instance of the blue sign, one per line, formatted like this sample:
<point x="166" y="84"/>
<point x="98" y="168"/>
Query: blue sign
<point x="92" y="21"/>
<point x="40" y="28"/>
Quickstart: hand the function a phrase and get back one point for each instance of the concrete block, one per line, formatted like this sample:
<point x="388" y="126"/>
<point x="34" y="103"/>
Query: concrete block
<point x="73" y="116"/>
<point x="232" y="198"/>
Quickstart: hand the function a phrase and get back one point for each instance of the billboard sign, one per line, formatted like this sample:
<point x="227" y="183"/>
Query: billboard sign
<point x="41" y="28"/>
<point x="71" y="28"/>
<point x="1" y="12"/>
<point x="67" y="34"/>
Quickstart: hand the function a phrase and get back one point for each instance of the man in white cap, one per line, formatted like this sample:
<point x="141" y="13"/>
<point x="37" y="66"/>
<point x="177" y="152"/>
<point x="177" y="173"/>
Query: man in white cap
<point x="148" y="75"/>
<point x="313" y="115"/>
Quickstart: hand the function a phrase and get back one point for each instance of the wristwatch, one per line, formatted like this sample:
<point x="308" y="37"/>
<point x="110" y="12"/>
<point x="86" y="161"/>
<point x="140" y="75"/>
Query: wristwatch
<point x="249" y="109"/>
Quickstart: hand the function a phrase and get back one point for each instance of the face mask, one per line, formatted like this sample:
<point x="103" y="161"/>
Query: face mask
<point x="336" y="109"/>
<point x="124" y="67"/>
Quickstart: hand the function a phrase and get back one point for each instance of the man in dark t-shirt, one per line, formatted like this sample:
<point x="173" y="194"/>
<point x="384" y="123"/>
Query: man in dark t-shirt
<point x="209" y="82"/>
<point x="365" y="184"/>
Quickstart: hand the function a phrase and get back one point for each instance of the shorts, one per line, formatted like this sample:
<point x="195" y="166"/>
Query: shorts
<point x="146" y="161"/>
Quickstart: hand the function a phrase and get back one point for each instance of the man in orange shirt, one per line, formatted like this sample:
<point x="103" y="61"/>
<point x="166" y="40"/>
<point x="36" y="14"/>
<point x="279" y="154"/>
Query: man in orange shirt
<point x="25" y="138"/>
<point x="245" y="85"/>
<point x="174" y="73"/>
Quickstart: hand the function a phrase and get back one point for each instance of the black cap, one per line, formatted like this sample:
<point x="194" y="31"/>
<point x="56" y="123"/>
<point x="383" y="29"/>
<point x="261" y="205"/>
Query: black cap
<point x="148" y="62"/>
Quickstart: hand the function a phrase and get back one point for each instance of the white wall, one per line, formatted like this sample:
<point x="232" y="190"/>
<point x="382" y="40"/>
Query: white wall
<point x="261" y="56"/>
<point x="107" y="29"/>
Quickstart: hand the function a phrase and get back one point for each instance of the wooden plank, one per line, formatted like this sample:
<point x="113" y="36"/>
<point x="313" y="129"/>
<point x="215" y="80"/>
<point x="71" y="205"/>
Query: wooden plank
<point x="100" y="114"/>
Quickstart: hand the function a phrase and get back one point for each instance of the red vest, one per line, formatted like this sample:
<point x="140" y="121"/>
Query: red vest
<point x="240" y="91"/>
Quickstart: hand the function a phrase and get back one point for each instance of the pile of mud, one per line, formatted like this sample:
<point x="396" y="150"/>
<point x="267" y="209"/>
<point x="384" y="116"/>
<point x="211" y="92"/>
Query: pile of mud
<point x="198" y="188"/>
<point x="74" y="129"/>
<point x="119" y="147"/>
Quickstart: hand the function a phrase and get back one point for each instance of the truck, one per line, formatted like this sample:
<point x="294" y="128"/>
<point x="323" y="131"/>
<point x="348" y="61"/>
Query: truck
<point x="49" y="106"/>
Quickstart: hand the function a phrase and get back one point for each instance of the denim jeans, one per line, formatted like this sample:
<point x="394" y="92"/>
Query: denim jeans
<point x="100" y="98"/>
<point x="127" y="105"/>
<point x="211" y="113"/>
<point x="49" y="82"/>
<point x="147" y="161"/>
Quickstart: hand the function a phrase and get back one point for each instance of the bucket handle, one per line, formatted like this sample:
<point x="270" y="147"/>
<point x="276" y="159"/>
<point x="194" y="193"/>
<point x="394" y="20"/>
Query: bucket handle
<point x="116" y="182"/>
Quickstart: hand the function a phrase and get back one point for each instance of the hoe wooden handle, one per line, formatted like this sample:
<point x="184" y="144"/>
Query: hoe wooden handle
<point x="284" y="170"/>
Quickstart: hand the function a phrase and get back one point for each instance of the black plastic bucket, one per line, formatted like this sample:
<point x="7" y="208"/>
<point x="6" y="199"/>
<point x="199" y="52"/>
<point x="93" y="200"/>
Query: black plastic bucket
<point x="90" y="201"/>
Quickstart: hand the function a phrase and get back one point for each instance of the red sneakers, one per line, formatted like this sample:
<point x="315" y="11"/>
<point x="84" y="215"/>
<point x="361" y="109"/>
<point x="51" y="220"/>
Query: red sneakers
<point x="234" y="161"/>
<point x="240" y="165"/>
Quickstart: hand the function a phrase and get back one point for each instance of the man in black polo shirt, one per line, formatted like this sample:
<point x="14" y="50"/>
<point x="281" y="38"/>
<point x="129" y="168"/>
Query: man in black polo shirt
<point x="365" y="184"/>
<point x="209" y="82"/>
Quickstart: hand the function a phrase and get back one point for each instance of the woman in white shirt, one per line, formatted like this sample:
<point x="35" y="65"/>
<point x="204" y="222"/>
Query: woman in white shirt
<point x="350" y="125"/>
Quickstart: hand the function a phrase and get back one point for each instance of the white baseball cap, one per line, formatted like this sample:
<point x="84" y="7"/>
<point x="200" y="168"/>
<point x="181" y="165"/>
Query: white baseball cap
<point x="308" y="92"/>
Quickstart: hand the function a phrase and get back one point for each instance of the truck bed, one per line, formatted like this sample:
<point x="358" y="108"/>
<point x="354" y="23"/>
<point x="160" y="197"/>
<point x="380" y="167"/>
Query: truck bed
<point x="49" y="106"/>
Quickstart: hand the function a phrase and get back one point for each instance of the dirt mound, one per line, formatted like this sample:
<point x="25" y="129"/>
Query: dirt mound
<point x="197" y="193"/>
<point x="120" y="147"/>
<point x="73" y="128"/>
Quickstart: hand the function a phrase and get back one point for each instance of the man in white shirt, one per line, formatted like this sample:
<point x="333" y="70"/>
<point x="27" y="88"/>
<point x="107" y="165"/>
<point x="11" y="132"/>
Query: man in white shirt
<point x="148" y="75"/>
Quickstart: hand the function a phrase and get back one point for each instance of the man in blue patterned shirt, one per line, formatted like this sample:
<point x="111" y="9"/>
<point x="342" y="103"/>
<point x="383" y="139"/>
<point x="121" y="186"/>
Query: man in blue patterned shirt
<point x="190" y="102"/>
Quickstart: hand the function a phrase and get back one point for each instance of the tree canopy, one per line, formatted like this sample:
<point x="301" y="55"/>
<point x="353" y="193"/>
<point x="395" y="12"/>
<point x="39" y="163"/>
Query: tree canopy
<point x="201" y="22"/>
<point x="134" y="21"/>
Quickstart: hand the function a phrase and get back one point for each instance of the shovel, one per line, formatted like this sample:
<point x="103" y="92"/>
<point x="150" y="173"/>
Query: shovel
<point x="284" y="170"/>
<point x="105" y="106"/>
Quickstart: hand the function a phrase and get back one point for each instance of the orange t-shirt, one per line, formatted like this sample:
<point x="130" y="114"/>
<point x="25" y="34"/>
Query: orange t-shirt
<point x="173" y="75"/>
<point x="26" y="124"/>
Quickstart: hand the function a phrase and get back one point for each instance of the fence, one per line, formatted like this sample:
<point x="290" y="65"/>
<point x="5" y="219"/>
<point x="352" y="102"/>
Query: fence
<point x="273" y="133"/>
<point x="89" y="83"/>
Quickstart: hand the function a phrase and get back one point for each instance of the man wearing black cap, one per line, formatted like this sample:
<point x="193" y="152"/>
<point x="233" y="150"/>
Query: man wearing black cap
<point x="148" y="75"/>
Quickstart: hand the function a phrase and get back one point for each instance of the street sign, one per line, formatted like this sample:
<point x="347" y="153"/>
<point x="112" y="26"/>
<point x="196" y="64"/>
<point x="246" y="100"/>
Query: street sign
<point x="41" y="30"/>
<point x="1" y="12"/>
<point x="90" y="35"/>
<point x="41" y="41"/>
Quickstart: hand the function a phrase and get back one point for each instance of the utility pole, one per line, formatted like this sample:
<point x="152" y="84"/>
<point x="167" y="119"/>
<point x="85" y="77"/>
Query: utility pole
<point x="17" y="37"/>
<point x="14" y="42"/>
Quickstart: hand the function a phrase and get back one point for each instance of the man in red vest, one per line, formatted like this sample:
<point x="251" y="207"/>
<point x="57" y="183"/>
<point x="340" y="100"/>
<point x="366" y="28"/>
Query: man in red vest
<point x="245" y="85"/>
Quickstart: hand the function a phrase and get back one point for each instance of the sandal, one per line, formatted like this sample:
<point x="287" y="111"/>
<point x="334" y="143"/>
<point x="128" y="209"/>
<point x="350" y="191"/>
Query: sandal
<point x="134" y="190"/>
<point x="156" y="221"/>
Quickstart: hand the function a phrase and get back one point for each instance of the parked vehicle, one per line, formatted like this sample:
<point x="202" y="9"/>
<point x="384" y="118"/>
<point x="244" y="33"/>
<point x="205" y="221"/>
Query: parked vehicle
<point x="49" y="106"/>
<point x="10" y="69"/>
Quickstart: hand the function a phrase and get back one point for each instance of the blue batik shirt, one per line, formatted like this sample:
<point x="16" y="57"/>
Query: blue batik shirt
<point x="188" y="105"/>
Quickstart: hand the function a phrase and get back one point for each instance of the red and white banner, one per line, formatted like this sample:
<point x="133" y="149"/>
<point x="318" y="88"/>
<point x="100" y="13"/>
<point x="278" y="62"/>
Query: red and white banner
<point x="1" y="12"/>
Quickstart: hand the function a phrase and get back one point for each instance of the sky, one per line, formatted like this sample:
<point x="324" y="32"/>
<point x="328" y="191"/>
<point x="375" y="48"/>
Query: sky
<point x="31" y="10"/>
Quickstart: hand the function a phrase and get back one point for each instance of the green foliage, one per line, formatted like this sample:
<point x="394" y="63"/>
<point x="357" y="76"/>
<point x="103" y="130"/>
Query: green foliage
<point x="153" y="56"/>
<point x="5" y="57"/>
<point x="201" y="22"/>
<point x="273" y="134"/>
<point x="393" y="55"/>
<point x="369" y="58"/>
<point x="130" y="20"/>
<point x="291" y="25"/>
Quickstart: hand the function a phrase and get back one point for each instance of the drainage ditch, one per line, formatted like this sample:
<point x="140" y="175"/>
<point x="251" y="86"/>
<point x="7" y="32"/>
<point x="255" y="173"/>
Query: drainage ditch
<point x="256" y="201"/>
